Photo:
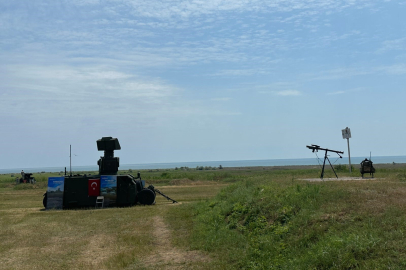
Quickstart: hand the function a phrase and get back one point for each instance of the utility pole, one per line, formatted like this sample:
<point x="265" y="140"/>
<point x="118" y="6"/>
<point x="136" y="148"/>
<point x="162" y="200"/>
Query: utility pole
<point x="347" y="135"/>
<point x="70" y="159"/>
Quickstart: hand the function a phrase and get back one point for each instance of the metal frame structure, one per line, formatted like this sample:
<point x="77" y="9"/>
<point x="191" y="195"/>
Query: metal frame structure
<point x="316" y="148"/>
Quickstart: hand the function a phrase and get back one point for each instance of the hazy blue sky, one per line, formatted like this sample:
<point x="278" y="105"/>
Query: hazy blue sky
<point x="199" y="80"/>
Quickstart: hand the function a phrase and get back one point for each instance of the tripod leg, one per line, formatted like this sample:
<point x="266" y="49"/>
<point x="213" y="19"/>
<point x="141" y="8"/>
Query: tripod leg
<point x="324" y="163"/>
<point x="332" y="168"/>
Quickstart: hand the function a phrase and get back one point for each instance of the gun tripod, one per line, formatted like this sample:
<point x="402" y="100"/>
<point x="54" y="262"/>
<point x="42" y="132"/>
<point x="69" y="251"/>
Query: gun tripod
<point x="316" y="148"/>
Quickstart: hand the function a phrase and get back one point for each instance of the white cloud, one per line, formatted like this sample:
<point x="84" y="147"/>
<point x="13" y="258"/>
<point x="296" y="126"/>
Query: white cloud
<point x="151" y="33"/>
<point x="83" y="81"/>
<point x="192" y="8"/>
<point x="397" y="69"/>
<point x="287" y="93"/>
<point x="43" y="95"/>
<point x="336" y="93"/>
<point x="345" y="73"/>
<point x="339" y="73"/>
<point x="50" y="93"/>
<point x="240" y="72"/>
<point x="392" y="45"/>
<point x="221" y="99"/>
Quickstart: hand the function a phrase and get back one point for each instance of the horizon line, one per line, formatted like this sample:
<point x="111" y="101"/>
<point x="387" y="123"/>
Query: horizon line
<point x="179" y="162"/>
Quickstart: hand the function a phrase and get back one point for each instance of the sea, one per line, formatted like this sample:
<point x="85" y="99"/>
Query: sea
<point x="228" y="163"/>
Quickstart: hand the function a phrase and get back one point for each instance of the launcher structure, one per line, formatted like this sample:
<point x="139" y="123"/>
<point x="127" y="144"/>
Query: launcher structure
<point x="106" y="189"/>
<point x="316" y="148"/>
<point x="108" y="164"/>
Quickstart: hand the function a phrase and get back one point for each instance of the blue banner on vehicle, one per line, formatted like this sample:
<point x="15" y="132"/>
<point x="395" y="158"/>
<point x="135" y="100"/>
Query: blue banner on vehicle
<point x="108" y="189"/>
<point x="55" y="192"/>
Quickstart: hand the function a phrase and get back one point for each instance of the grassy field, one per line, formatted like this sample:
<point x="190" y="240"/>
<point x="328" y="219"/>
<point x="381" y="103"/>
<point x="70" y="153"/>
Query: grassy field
<point x="235" y="218"/>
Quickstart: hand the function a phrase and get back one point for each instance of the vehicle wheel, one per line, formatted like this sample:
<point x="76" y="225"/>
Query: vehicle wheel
<point x="146" y="197"/>
<point x="138" y="185"/>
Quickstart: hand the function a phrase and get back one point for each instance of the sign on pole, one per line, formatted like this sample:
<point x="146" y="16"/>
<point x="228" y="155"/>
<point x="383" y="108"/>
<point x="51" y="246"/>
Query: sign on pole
<point x="347" y="135"/>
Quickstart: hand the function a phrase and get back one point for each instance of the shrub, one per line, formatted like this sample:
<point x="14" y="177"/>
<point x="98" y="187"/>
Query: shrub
<point x="343" y="168"/>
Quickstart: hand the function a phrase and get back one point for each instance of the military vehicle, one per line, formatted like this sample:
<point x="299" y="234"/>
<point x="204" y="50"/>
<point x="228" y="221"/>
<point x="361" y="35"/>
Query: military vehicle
<point x="106" y="189"/>
<point x="367" y="167"/>
<point x="26" y="178"/>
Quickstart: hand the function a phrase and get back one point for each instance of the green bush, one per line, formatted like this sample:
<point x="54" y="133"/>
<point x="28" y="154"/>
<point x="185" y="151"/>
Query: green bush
<point x="343" y="168"/>
<point x="257" y="225"/>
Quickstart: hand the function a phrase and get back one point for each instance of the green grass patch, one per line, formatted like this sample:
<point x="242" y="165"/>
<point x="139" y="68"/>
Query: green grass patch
<point x="272" y="221"/>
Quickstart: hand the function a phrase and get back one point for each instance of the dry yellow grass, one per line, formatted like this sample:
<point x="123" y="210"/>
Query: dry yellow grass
<point x="115" y="238"/>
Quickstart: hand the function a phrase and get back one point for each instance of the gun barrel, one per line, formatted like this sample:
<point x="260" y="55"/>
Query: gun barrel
<point x="169" y="199"/>
<point x="316" y="147"/>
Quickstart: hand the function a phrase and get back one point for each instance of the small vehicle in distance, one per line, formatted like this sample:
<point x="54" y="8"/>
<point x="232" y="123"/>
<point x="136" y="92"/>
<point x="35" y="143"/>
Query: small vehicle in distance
<point x="26" y="178"/>
<point x="367" y="167"/>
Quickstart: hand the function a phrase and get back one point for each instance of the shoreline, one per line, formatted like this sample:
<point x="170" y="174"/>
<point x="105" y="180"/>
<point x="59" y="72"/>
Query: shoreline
<point x="303" y="167"/>
<point x="236" y="168"/>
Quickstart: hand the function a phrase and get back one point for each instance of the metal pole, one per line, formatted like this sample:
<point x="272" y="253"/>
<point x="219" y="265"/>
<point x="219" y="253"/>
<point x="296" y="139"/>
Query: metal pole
<point x="324" y="164"/>
<point x="70" y="159"/>
<point x="332" y="167"/>
<point x="349" y="156"/>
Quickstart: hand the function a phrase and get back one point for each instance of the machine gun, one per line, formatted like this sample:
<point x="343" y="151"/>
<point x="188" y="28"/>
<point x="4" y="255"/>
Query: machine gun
<point x="316" y="148"/>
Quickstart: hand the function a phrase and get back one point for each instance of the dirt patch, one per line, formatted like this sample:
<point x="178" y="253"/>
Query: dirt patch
<point x="340" y="179"/>
<point x="165" y="255"/>
<point x="17" y="260"/>
<point x="188" y="182"/>
<point x="56" y="245"/>
<point x="204" y="184"/>
<point x="304" y="167"/>
<point x="100" y="245"/>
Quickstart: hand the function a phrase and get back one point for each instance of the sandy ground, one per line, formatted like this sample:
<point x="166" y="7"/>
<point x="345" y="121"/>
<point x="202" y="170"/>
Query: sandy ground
<point x="341" y="179"/>
<point x="301" y="167"/>
<point x="166" y="256"/>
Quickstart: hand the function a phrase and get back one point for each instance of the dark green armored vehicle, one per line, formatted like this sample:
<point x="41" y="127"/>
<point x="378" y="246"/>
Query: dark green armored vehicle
<point x="367" y="167"/>
<point x="107" y="189"/>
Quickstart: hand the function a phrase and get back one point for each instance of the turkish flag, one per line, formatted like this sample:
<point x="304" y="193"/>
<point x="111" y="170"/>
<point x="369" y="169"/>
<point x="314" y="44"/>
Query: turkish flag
<point x="94" y="187"/>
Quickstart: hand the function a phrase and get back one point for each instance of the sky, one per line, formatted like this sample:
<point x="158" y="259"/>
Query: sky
<point x="194" y="80"/>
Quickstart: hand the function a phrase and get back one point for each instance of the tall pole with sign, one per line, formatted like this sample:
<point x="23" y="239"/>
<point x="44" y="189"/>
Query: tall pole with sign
<point x="70" y="159"/>
<point x="347" y="135"/>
